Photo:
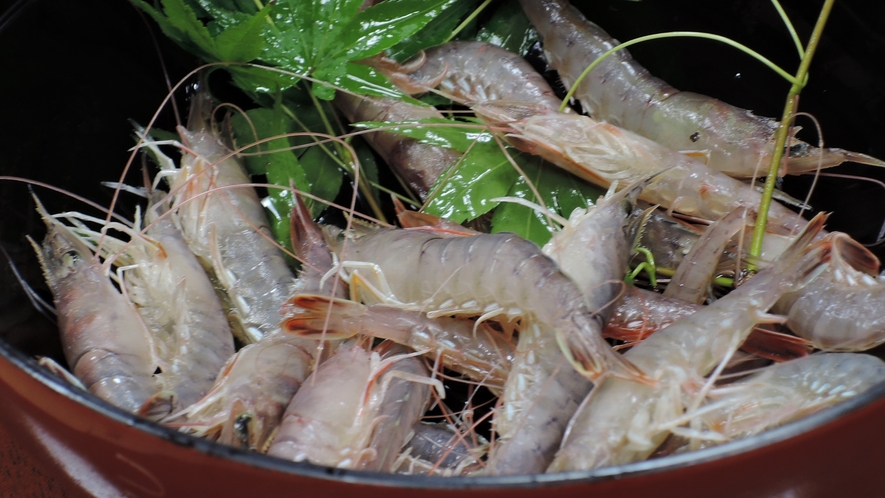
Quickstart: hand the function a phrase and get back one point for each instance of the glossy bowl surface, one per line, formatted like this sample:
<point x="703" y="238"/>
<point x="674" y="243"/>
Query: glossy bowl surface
<point x="79" y="71"/>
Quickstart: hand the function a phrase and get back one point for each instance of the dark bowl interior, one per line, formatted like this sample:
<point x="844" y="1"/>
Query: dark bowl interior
<point x="76" y="72"/>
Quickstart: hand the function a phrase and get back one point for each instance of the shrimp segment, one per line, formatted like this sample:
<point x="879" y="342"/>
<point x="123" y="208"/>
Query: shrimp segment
<point x="105" y="341"/>
<point x="788" y="391"/>
<point x="228" y="230"/>
<point x="621" y="92"/>
<point x="603" y="154"/>
<point x="474" y="350"/>
<point x="839" y="310"/>
<point x="621" y="421"/>
<point x="331" y="420"/>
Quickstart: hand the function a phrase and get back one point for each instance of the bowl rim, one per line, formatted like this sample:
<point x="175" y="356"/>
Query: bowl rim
<point x="305" y="469"/>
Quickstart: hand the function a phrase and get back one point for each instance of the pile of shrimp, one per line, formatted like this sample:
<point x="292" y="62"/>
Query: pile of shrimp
<point x="190" y="315"/>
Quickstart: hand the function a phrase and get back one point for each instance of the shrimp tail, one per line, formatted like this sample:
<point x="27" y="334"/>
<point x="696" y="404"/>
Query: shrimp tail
<point x="314" y="319"/>
<point x="595" y="359"/>
<point x="805" y="158"/>
<point x="158" y="406"/>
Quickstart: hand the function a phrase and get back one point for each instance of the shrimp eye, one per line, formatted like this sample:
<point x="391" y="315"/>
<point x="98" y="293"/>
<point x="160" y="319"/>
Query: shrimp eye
<point x="798" y="150"/>
<point x="695" y="136"/>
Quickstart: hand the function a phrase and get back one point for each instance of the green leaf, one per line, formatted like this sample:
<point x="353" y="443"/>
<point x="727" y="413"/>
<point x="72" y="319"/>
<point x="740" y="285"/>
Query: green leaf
<point x="243" y="42"/>
<point x="465" y="190"/>
<point x="448" y="133"/>
<point x="434" y="33"/>
<point x="180" y="23"/>
<point x="324" y="178"/>
<point x="383" y="25"/>
<point x="561" y="192"/>
<point x="509" y="28"/>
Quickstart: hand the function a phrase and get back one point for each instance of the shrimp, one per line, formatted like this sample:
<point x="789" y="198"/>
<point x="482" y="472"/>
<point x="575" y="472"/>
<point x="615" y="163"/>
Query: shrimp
<point x="437" y="449"/>
<point x="247" y="401"/>
<point x="228" y="229"/>
<point x="474" y="350"/>
<point x="839" y="310"/>
<point x="418" y="164"/>
<point x="504" y="275"/>
<point x="192" y="338"/>
<point x="788" y="391"/>
<point x="619" y="422"/>
<point x="502" y="75"/>
<point x="624" y="94"/>
<point x="246" y="404"/>
<point x="640" y="313"/>
<point x="697" y="270"/>
<point x="105" y="341"/>
<point x="602" y="154"/>
<point x="331" y="420"/>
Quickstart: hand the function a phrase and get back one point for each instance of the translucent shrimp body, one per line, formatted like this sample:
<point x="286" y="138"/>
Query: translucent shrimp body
<point x="789" y="391"/>
<point x="228" y="230"/>
<point x="481" y="72"/>
<point x="621" y="421"/>
<point x="246" y="404"/>
<point x="477" y="352"/>
<point x="331" y="420"/>
<point x="507" y="276"/>
<point x="106" y="343"/>
<point x="621" y="92"/>
<point x="602" y="154"/>
<point x="840" y="310"/>
<point x="418" y="164"/>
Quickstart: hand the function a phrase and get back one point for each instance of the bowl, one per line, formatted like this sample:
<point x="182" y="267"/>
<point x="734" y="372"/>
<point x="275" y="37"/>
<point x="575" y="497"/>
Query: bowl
<point x="77" y="71"/>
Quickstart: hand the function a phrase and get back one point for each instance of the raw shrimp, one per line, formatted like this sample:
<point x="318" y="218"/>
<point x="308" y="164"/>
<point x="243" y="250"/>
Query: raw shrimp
<point x="620" y="420"/>
<point x="245" y="406"/>
<point x="192" y="338"/>
<point x="840" y="309"/>
<point x="621" y="92"/>
<point x="502" y="75"/>
<point x="475" y="350"/>
<point x="489" y="275"/>
<point x="437" y="449"/>
<point x="602" y="154"/>
<point x="228" y="229"/>
<point x="694" y="275"/>
<point x="788" y="391"/>
<point x="330" y="421"/>
<point x="418" y="164"/>
<point x="640" y="313"/>
<point x="106" y="343"/>
<point x="504" y="275"/>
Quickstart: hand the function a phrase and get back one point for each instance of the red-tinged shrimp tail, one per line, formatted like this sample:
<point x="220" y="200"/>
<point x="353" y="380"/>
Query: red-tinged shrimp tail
<point x="314" y="320"/>
<point x="594" y="358"/>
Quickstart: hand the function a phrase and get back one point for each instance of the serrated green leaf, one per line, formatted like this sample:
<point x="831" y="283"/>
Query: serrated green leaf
<point x="185" y="20"/>
<point x="464" y="192"/>
<point x="324" y="177"/>
<point x="509" y="28"/>
<point x="383" y="25"/>
<point x="243" y="42"/>
<point x="435" y="32"/>
<point x="560" y="191"/>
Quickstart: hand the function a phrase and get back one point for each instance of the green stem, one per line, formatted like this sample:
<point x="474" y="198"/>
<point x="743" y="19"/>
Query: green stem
<point x="783" y="132"/>
<point x="790" y="28"/>
<point x="676" y="34"/>
<point x="468" y="20"/>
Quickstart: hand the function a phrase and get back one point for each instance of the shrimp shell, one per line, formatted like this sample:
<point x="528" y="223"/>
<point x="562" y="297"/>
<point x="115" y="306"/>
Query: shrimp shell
<point x="228" y="229"/>
<point x="623" y="93"/>
<point x="105" y="341"/>
<point x="840" y="309"/>
<point x="331" y="420"/>
<point x="621" y="421"/>
<point x="788" y="391"/>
